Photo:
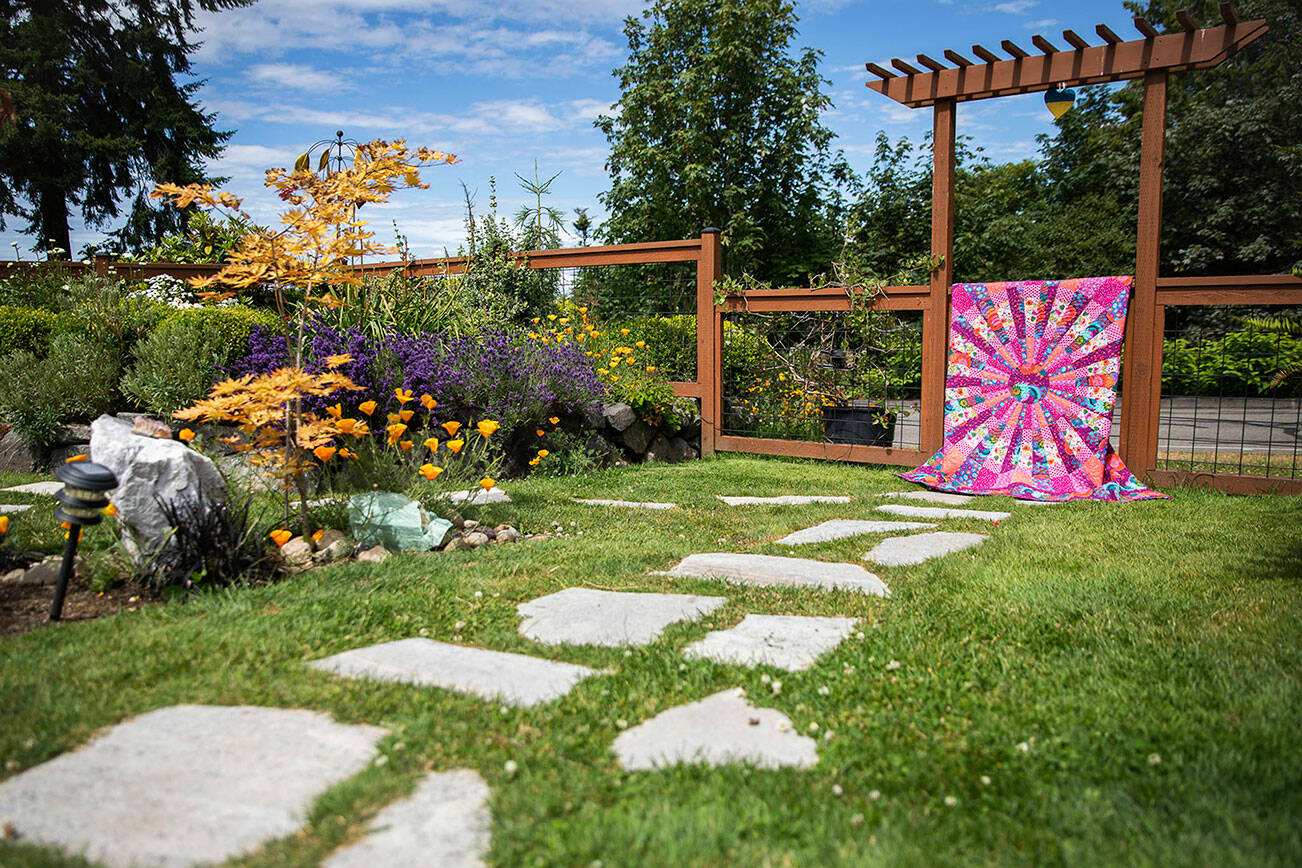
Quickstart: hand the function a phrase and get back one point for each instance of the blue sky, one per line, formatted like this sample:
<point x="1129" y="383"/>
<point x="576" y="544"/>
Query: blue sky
<point x="504" y="83"/>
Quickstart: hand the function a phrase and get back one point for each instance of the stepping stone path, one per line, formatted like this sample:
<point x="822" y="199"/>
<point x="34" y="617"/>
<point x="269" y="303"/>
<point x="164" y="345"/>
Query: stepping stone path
<point x="583" y="616"/>
<point x="628" y="504"/>
<point x="784" y="500"/>
<point x="840" y="528"/>
<point x="723" y="728"/>
<point x="903" y="551"/>
<point x="14" y="507"/>
<point x="445" y="823"/>
<point x="187" y="784"/>
<point x="941" y="512"/>
<point x="769" y="570"/>
<point x="792" y="642"/>
<point x="478" y="496"/>
<point x="496" y="675"/>
<point x="46" y="487"/>
<point x="944" y="498"/>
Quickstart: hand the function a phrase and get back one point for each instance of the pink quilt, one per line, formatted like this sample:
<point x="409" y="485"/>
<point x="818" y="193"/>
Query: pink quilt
<point x="1029" y="392"/>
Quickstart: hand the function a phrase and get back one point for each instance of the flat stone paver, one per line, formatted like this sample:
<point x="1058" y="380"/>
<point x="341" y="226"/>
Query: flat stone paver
<point x="186" y="785"/>
<point x="6" y="508"/>
<point x="478" y="496"/>
<point x="583" y="616"/>
<point x="44" y="487"/>
<point x="444" y="823"/>
<point x="840" y="528"/>
<point x="513" y="678"/>
<point x="793" y="642"/>
<point x="716" y="730"/>
<point x="941" y="512"/>
<point x="784" y="500"/>
<point x="766" y="570"/>
<point x="903" y="551"/>
<point x="627" y="504"/>
<point x="944" y="498"/>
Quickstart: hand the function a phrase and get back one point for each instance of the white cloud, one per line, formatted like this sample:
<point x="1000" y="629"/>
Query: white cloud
<point x="297" y="76"/>
<point x="1041" y="24"/>
<point x="1015" y="7"/>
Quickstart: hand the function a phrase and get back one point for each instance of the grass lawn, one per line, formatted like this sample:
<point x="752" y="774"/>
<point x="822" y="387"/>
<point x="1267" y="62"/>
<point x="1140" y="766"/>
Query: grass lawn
<point x="1097" y="684"/>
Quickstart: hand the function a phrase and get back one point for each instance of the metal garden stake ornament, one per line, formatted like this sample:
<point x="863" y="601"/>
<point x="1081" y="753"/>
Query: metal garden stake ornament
<point x="82" y="503"/>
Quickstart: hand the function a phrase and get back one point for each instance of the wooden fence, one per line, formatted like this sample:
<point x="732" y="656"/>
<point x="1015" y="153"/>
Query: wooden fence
<point x="1142" y="369"/>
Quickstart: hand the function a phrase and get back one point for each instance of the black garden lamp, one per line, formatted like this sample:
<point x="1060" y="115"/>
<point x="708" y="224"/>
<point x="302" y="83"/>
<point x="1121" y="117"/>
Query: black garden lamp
<point x="82" y="503"/>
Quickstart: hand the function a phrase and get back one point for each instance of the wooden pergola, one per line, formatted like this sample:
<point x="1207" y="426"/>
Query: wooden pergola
<point x="1152" y="58"/>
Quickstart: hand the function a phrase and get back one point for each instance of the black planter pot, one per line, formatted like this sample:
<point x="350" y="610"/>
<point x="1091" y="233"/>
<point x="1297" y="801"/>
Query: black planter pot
<point x="861" y="423"/>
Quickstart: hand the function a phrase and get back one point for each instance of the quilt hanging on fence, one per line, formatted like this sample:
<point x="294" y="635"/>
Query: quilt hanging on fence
<point x="1029" y="392"/>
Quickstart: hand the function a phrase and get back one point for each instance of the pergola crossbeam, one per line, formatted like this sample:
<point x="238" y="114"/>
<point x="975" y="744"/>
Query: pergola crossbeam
<point x="1116" y="60"/>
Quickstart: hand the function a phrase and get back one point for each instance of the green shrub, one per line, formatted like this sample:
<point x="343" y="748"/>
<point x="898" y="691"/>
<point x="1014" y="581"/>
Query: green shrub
<point x="77" y="381"/>
<point x="454" y="306"/>
<point x="1238" y="363"/>
<point x="29" y="329"/>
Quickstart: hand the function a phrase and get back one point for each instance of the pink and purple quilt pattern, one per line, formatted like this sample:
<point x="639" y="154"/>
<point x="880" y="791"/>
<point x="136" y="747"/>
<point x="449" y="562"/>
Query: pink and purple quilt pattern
<point x="1029" y="392"/>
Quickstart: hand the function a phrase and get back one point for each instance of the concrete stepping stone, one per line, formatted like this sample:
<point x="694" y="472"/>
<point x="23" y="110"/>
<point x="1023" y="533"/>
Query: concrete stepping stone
<point x="793" y="642"/>
<point x="186" y="785"/>
<point x="444" y="823"/>
<point x="627" y="504"/>
<point x="583" y="616"/>
<point x="840" y="528"/>
<point x="46" y="487"/>
<point x="944" y="498"/>
<point x="768" y="570"/>
<point x="720" y="729"/>
<point x="512" y="678"/>
<point x="904" y="551"/>
<point x="784" y="500"/>
<point x="6" y="508"/>
<point x="478" y="496"/>
<point x="941" y="512"/>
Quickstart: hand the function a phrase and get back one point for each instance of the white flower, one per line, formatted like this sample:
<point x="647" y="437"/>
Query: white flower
<point x="813" y="727"/>
<point x="824" y="690"/>
<point x="682" y="667"/>
<point x="827" y="736"/>
<point x="985" y="780"/>
<point x="893" y="665"/>
<point x="849" y="670"/>
<point x="859" y="635"/>
<point x="628" y="653"/>
<point x="951" y="801"/>
<point x="510" y="767"/>
<point x="856" y="820"/>
<point x="776" y="686"/>
<point x="1023" y="746"/>
<point x="836" y="789"/>
<point x="424" y="631"/>
<point x="622" y="723"/>
<point x="458" y="625"/>
<point x="400" y="746"/>
<point x="479" y="595"/>
<point x="765" y="679"/>
<point x="1154" y="759"/>
<point x="381" y="760"/>
<point x="504" y="710"/>
<point x="875" y="795"/>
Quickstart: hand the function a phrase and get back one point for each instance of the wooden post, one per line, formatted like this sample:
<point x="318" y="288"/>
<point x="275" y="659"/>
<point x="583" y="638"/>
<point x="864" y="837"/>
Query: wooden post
<point x="709" y="340"/>
<point x="1142" y="386"/>
<point x="935" y="319"/>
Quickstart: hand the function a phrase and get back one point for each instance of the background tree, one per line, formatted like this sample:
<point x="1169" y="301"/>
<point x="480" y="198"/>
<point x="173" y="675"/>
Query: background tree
<point x="718" y="125"/>
<point x="100" y="115"/>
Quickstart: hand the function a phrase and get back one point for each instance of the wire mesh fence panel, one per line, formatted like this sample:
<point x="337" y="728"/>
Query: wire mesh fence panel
<point x="826" y="376"/>
<point x="1231" y="390"/>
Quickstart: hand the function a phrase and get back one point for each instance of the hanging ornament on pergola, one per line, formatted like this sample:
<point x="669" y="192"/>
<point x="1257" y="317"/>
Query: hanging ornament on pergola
<point x="1059" y="100"/>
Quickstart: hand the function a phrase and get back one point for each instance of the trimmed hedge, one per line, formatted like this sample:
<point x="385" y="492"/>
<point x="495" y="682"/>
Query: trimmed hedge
<point x="28" y="329"/>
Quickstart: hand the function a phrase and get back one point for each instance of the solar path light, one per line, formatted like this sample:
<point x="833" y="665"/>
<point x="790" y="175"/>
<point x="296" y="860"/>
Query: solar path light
<point x="82" y="503"/>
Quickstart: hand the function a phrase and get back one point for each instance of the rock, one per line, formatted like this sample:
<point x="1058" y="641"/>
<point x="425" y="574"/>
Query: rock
<point x="147" y="427"/>
<point x="297" y="552"/>
<point x="638" y="437"/>
<point x="601" y="448"/>
<point x="943" y="512"/>
<point x="46" y="573"/>
<point x="72" y="435"/>
<point x="475" y="538"/>
<point x="903" y="551"/>
<point x="45" y="488"/>
<point x="457" y="520"/>
<point x="18" y="456"/>
<point x="840" y="528"/>
<point x="394" y="521"/>
<point x="508" y="535"/>
<point x="943" y="498"/>
<point x="593" y="416"/>
<point x="619" y="416"/>
<point x="150" y="470"/>
<point x="491" y="533"/>
<point x="334" y="545"/>
<point x="585" y="616"/>
<point x="373" y="555"/>
<point x="478" y="497"/>
<point x="769" y="570"/>
<point x="792" y="642"/>
<point x="457" y="544"/>
<point x="627" y="504"/>
<point x="60" y="454"/>
<point x="6" y="508"/>
<point x="658" y="450"/>
<point x="13" y="575"/>
<point x="469" y="524"/>
<point x="679" y="450"/>
<point x="783" y="500"/>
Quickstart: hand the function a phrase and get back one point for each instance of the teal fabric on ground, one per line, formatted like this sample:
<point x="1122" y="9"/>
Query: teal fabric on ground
<point x="394" y="521"/>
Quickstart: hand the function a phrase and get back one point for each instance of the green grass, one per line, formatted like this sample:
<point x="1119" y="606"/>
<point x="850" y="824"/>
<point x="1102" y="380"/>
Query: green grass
<point x="1095" y="635"/>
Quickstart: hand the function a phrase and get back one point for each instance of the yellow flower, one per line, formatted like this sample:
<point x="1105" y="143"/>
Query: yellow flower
<point x="430" y="472"/>
<point x="65" y="525"/>
<point x="552" y="317"/>
<point x="650" y="369"/>
<point x="487" y="482"/>
<point x="536" y="320"/>
<point x="452" y="428"/>
<point x="641" y="345"/>
<point x="555" y="420"/>
<point x="4" y="524"/>
<point x="324" y="453"/>
<point x="79" y="457"/>
<point x="405" y="415"/>
<point x="335" y="410"/>
<point x="455" y="445"/>
<point x="110" y="510"/>
<point x="186" y="435"/>
<point x="602" y="371"/>
<point x="361" y="430"/>
<point x="583" y="310"/>
<point x="432" y="444"/>
<point x="367" y="407"/>
<point x="533" y="462"/>
<point x="487" y="427"/>
<point x="393" y="417"/>
<point x="337" y="360"/>
<point x="280" y="537"/>
<point x="429" y="402"/>
<point x="405" y="445"/>
<point x="543" y="453"/>
<point x="346" y="425"/>
<point x="564" y="320"/>
<point x="316" y="537"/>
<point x="623" y="331"/>
<point x="403" y="395"/>
<point x="396" y="431"/>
